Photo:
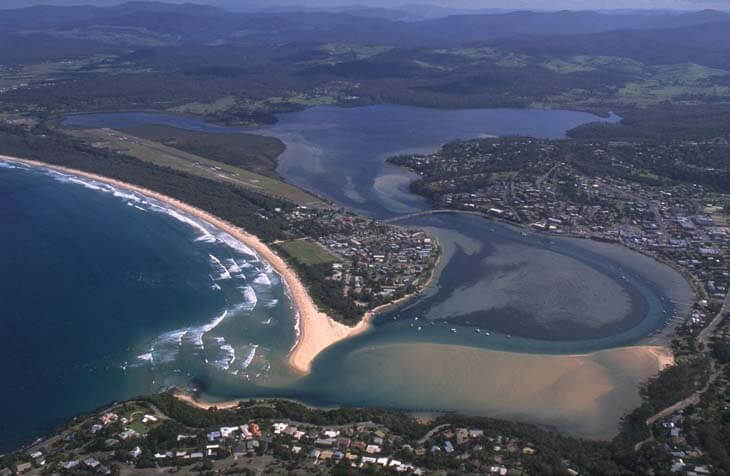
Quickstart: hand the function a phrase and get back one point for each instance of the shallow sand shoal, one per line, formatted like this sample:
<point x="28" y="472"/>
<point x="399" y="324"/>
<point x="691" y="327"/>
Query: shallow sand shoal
<point x="581" y="395"/>
<point x="317" y="330"/>
<point x="192" y="401"/>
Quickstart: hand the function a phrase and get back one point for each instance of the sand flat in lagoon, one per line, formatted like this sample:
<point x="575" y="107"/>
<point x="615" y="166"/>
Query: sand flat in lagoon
<point x="582" y="395"/>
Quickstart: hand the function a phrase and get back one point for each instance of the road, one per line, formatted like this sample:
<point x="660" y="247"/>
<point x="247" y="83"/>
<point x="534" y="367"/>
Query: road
<point x="693" y="399"/>
<point x="431" y="433"/>
<point x="431" y="212"/>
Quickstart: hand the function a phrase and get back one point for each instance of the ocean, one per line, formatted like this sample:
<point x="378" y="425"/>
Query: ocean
<point x="107" y="294"/>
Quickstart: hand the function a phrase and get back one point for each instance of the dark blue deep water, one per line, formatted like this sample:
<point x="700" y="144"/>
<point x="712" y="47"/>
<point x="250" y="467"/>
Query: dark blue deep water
<point x="98" y="284"/>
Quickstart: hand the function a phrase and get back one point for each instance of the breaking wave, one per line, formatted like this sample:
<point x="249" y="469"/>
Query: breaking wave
<point x="262" y="279"/>
<point x="222" y="270"/>
<point x="249" y="296"/>
<point x="234" y="266"/>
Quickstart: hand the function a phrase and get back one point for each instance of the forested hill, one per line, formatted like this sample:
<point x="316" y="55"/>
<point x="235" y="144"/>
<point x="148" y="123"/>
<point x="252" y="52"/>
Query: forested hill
<point x="161" y="23"/>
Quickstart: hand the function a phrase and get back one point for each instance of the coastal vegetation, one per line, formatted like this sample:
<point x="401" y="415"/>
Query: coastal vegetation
<point x="237" y="205"/>
<point x="248" y="151"/>
<point x="216" y="169"/>
<point x="329" y="296"/>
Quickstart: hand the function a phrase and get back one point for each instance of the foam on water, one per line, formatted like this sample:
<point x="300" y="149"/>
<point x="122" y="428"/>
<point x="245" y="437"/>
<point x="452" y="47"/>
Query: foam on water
<point x="205" y="235"/>
<point x="147" y="357"/>
<point x="297" y="330"/>
<point x="235" y="244"/>
<point x="226" y="356"/>
<point x="222" y="270"/>
<point x="249" y="296"/>
<point x="249" y="357"/>
<point x="262" y="279"/>
<point x="87" y="183"/>
<point x="232" y="266"/>
<point x="126" y="195"/>
<point x="196" y="333"/>
<point x="9" y="165"/>
<point x="166" y="347"/>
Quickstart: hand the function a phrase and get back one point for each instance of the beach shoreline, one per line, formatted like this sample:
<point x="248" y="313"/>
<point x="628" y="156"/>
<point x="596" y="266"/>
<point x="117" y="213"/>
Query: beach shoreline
<point x="318" y="330"/>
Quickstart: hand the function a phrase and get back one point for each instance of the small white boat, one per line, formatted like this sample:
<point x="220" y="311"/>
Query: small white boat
<point x="487" y="334"/>
<point x="453" y="330"/>
<point x="478" y="331"/>
<point x="419" y="328"/>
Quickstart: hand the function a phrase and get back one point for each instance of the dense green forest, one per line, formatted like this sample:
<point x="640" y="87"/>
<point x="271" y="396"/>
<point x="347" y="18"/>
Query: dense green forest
<point x="249" y="151"/>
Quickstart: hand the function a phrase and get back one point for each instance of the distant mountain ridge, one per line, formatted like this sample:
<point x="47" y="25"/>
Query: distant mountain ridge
<point x="205" y="23"/>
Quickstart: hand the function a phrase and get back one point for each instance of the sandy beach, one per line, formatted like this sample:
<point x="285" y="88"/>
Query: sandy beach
<point x="317" y="330"/>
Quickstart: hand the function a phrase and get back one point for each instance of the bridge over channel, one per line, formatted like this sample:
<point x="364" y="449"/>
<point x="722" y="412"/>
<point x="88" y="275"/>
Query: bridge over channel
<point x="432" y="212"/>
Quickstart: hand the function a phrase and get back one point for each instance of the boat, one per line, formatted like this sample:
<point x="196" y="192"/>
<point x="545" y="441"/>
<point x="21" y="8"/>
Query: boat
<point x="453" y="330"/>
<point x="487" y="334"/>
<point x="419" y="328"/>
<point x="478" y="331"/>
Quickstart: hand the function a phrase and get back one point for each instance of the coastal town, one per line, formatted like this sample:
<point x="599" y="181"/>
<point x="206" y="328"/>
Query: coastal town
<point x="676" y="211"/>
<point x="368" y="263"/>
<point x="160" y="434"/>
<point x="609" y="192"/>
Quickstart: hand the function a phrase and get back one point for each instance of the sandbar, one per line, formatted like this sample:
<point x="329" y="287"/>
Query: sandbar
<point x="581" y="395"/>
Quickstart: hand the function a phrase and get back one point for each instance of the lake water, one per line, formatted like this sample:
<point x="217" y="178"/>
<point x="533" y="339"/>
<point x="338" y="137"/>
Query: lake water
<point x="108" y="295"/>
<point x="340" y="153"/>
